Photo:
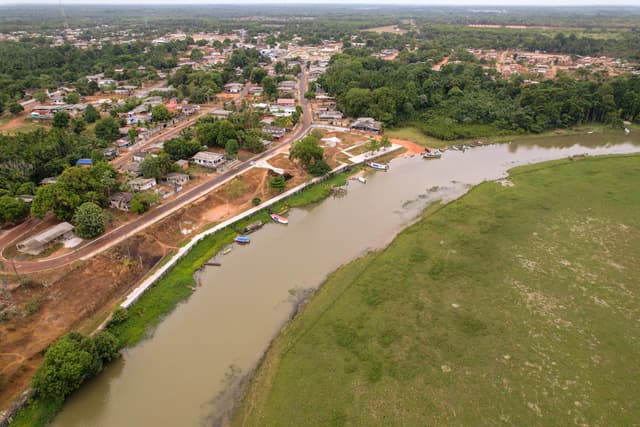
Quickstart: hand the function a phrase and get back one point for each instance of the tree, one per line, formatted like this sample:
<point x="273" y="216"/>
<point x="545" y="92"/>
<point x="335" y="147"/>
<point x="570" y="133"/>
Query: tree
<point x="236" y="188"/>
<point x="107" y="129"/>
<point x="91" y="114"/>
<point x="196" y="55"/>
<point x="78" y="125"/>
<point x="385" y="142"/>
<point x="67" y="364"/>
<point x="160" y="113"/>
<point x="107" y="346"/>
<point x="278" y="183"/>
<point x="179" y="148"/>
<point x="40" y="96"/>
<point x="142" y="201"/>
<point x="257" y="75"/>
<point x="372" y="145"/>
<point x="61" y="119"/>
<point x="72" y="98"/>
<point x="231" y="147"/>
<point x="12" y="210"/>
<point x="133" y="135"/>
<point x="89" y="220"/>
<point x="269" y="87"/>
<point x="15" y="108"/>
<point x="319" y="168"/>
<point x="306" y="151"/>
<point x="156" y="167"/>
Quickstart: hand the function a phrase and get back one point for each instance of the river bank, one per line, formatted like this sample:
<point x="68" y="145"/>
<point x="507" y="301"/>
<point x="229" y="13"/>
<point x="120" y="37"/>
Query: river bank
<point x="512" y="311"/>
<point x="400" y="192"/>
<point x="412" y="133"/>
<point x="177" y="286"/>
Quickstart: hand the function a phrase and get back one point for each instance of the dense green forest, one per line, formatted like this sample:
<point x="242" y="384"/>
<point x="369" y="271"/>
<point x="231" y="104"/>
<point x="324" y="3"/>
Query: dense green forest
<point x="465" y="100"/>
<point x="35" y="64"/>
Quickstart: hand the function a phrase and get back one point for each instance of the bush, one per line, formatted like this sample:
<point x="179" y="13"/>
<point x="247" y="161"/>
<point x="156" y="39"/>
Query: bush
<point x="319" y="168"/>
<point x="89" y="220"/>
<point x="70" y="361"/>
<point x="277" y="183"/>
<point x="256" y="201"/>
<point x="33" y="306"/>
<point x="119" y="315"/>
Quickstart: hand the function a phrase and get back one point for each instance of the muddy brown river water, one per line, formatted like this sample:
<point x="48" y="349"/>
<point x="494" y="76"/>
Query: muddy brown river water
<point x="187" y="373"/>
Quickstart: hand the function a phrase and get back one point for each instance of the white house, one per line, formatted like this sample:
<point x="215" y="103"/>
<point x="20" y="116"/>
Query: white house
<point x="208" y="159"/>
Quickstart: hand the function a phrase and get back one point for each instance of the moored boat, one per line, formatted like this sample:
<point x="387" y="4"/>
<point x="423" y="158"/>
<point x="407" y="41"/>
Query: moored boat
<point x="279" y="218"/>
<point x="428" y="154"/>
<point x="378" y="165"/>
<point x="362" y="179"/>
<point x="242" y="239"/>
<point x="253" y="227"/>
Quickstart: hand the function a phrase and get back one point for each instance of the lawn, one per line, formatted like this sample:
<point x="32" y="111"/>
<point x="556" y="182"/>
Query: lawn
<point x="515" y="305"/>
<point x="414" y="134"/>
<point x="411" y="133"/>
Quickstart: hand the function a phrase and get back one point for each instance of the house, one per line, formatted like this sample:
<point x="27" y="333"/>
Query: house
<point x="133" y="168"/>
<point x="184" y="164"/>
<point x="233" y="87"/>
<point x="208" y="159"/>
<point x="367" y="124"/>
<point x="275" y="131"/>
<point x="38" y="243"/>
<point x="286" y="102"/>
<point x="85" y="163"/>
<point x="221" y="114"/>
<point x="140" y="156"/>
<point x="256" y="90"/>
<point x="188" y="110"/>
<point x="330" y="115"/>
<point x="49" y="180"/>
<point x="177" y="179"/>
<point x="121" y="201"/>
<point x="142" y="184"/>
<point x="110" y="153"/>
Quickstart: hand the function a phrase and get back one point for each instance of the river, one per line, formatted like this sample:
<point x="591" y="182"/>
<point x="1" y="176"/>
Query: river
<point x="187" y="372"/>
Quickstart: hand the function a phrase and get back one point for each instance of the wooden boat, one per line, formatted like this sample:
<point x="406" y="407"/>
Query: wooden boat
<point x="253" y="226"/>
<point x="279" y="218"/>
<point x="242" y="239"/>
<point x="378" y="165"/>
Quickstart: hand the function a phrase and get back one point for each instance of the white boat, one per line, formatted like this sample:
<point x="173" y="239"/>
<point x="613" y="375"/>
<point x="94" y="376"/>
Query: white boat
<point x="626" y="131"/>
<point x="362" y="179"/>
<point x="436" y="154"/>
<point x="378" y="165"/>
<point x="279" y="218"/>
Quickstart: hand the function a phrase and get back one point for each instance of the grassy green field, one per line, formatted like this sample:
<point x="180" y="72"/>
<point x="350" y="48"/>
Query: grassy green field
<point x="514" y="305"/>
<point x="414" y="134"/>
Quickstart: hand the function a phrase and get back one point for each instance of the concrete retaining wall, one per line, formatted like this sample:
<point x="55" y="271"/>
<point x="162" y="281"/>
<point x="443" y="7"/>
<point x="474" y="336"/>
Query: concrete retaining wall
<point x="158" y="274"/>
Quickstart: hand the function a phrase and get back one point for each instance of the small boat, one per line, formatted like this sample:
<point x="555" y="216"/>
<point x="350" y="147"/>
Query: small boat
<point x="378" y="165"/>
<point x="279" y="218"/>
<point x="242" y="239"/>
<point x="362" y="179"/>
<point x="428" y="154"/>
<point x="253" y="227"/>
<point x="626" y="131"/>
<point x="226" y="250"/>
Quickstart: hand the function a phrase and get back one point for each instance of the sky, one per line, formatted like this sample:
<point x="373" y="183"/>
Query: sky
<point x="488" y="3"/>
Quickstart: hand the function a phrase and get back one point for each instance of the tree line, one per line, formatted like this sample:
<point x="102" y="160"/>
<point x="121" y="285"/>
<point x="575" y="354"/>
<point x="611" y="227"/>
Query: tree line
<point x="466" y="100"/>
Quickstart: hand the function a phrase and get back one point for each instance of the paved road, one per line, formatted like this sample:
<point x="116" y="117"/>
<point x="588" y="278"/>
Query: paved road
<point x="126" y="230"/>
